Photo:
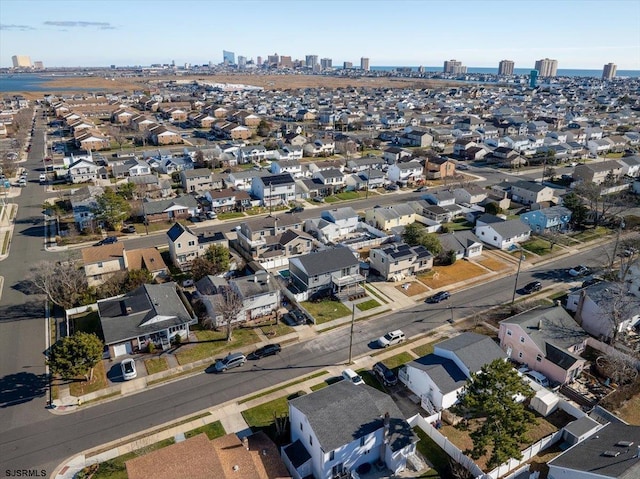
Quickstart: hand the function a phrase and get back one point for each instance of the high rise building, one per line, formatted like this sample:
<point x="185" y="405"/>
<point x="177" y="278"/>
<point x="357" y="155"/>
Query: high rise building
<point x="285" y="62"/>
<point x="533" y="78"/>
<point x="38" y="65"/>
<point x="609" y="71"/>
<point x="242" y="61"/>
<point x="310" y="61"/>
<point x="547" y="67"/>
<point x="273" y="60"/>
<point x="505" y="67"/>
<point x="21" y="61"/>
<point x="347" y="66"/>
<point x="454" y="67"/>
<point x="326" y="63"/>
<point x="364" y="64"/>
<point x="228" y="58"/>
<point x="259" y="61"/>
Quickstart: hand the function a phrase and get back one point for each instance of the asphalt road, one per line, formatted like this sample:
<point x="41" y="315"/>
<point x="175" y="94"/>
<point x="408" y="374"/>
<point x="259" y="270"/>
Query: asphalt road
<point x="22" y="325"/>
<point x="46" y="442"/>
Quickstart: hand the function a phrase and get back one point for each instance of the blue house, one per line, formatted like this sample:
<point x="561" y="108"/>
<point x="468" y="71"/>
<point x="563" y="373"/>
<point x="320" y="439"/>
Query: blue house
<point x="555" y="218"/>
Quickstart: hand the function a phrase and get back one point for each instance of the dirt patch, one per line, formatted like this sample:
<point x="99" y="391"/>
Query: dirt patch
<point x="492" y="263"/>
<point x="444" y="275"/>
<point x="415" y="287"/>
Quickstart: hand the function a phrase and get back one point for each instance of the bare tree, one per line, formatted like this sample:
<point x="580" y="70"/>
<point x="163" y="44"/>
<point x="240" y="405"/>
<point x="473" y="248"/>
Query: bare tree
<point x="62" y="281"/>
<point x="228" y="304"/>
<point x="617" y="306"/>
<point x="617" y="367"/>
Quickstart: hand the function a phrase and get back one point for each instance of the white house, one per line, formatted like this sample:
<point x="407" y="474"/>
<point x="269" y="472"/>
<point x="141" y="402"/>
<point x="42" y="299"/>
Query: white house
<point x="437" y="378"/>
<point x="293" y="167"/>
<point x="274" y="189"/>
<point x="501" y="233"/>
<point x="408" y="172"/>
<point x="338" y="428"/>
<point x="82" y="171"/>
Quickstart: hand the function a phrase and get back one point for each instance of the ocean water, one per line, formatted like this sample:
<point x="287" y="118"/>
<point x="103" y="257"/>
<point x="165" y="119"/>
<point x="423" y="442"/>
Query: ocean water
<point x="30" y="83"/>
<point x="520" y="71"/>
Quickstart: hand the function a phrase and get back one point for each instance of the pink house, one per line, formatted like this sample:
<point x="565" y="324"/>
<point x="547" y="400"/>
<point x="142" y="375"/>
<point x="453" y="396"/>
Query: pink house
<point x="547" y="340"/>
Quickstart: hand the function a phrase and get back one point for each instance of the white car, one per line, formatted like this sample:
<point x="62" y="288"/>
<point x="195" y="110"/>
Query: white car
<point x="580" y="270"/>
<point x="351" y="376"/>
<point x="128" y="367"/>
<point x="391" y="338"/>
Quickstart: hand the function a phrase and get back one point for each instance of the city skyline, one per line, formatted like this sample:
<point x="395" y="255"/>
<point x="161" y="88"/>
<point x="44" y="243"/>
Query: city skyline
<point x="70" y="33"/>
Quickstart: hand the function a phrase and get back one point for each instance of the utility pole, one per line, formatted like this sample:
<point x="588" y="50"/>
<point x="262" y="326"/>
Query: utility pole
<point x="515" y="284"/>
<point x="353" y="315"/>
<point x="368" y="178"/>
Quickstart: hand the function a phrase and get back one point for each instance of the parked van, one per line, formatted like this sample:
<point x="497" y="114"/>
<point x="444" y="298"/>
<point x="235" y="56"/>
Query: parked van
<point x="232" y="360"/>
<point x="43" y="178"/>
<point x="351" y="376"/>
<point x="537" y="378"/>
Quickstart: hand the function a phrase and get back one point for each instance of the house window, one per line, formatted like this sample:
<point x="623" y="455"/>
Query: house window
<point x="332" y="455"/>
<point x="509" y="332"/>
<point x="522" y="339"/>
<point x="179" y="245"/>
<point x="301" y="427"/>
<point x="100" y="264"/>
<point x="192" y="243"/>
<point x="310" y="440"/>
<point x="495" y="238"/>
<point x="539" y="358"/>
<point x="520" y="355"/>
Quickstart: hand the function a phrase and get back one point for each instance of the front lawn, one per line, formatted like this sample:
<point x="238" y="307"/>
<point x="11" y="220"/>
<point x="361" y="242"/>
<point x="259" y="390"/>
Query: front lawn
<point x="591" y="234"/>
<point x="537" y="246"/>
<point x="212" y="430"/>
<point x="156" y="365"/>
<point x="99" y="381"/>
<point x="232" y="215"/>
<point x="115" y="468"/>
<point x="326" y="310"/>
<point x="214" y="343"/>
<point x="369" y="304"/>
<point x="262" y="416"/>
<point x="398" y="360"/>
<point x="426" y="348"/>
<point x="272" y="330"/>
<point x="458" y="225"/>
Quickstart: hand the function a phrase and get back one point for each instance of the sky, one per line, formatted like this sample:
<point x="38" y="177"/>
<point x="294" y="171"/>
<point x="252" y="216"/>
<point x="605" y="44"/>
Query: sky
<point x="580" y="34"/>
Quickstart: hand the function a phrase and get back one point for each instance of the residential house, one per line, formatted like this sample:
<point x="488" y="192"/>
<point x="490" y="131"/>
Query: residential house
<point x="329" y="271"/>
<point x="338" y="428"/>
<point x="171" y="209"/>
<point x="440" y="198"/>
<point x="274" y="189"/>
<point x="471" y="194"/>
<point x="151" y="313"/>
<point x="399" y="260"/>
<point x="293" y="167"/>
<point x="502" y="234"/>
<point x="531" y="192"/>
<point x="81" y="171"/>
<point x="439" y="377"/>
<point x="464" y="243"/>
<point x="199" y="457"/>
<point x="387" y="217"/>
<point x="602" y="451"/>
<point x="407" y="173"/>
<point x="394" y="154"/>
<point x="185" y="245"/>
<point x="83" y="204"/>
<point x="604" y="310"/>
<point x="462" y="145"/>
<point x="554" y="218"/>
<point x="631" y="165"/>
<point x="102" y="262"/>
<point x="547" y="340"/>
<point x="92" y="140"/>
<point x="371" y="179"/>
<point x="599" y="172"/>
<point x="599" y="147"/>
<point x="416" y="137"/>
<point x="320" y="147"/>
<point x="222" y="201"/>
<point x="130" y="167"/>
<point x="196" y="180"/>
<point x="161" y="135"/>
<point x="332" y="178"/>
<point x="358" y="165"/>
<point x="251" y="154"/>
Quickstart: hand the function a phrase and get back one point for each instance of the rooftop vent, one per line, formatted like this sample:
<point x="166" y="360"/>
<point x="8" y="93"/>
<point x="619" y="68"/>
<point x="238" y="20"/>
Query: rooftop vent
<point x="624" y="443"/>
<point x="611" y="453"/>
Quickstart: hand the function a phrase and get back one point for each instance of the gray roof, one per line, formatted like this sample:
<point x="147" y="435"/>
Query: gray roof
<point x="459" y="239"/>
<point x="195" y="173"/>
<point x="276" y="180"/>
<point x="255" y="285"/>
<point x="159" y="206"/>
<point x="630" y="160"/>
<point x="124" y="317"/>
<point x="581" y="426"/>
<point x="210" y="284"/>
<point x="344" y="412"/>
<point x="343" y="213"/>
<point x="588" y="456"/>
<point x="530" y="186"/>
<point x="327" y="261"/>
<point x="474" y="350"/>
<point x="444" y="372"/>
<point x="510" y="228"/>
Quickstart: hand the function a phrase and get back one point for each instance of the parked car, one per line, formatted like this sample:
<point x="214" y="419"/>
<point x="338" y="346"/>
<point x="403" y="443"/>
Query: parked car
<point x="351" y="376"/>
<point x="296" y="209"/>
<point x="290" y="319"/>
<point x="590" y="282"/>
<point x="43" y="178"/>
<point x="264" y="351"/>
<point x="386" y="375"/>
<point x="107" y="240"/>
<point x="392" y="187"/>
<point x="441" y="296"/>
<point x="211" y="215"/>
<point x="391" y="338"/>
<point x="128" y="367"/>
<point x="128" y="229"/>
<point x="422" y="189"/>
<point x="318" y="199"/>
<point x="532" y="287"/>
<point x="628" y="252"/>
<point x="232" y="360"/>
<point x="537" y="378"/>
<point x="462" y="166"/>
<point x="194" y="219"/>
<point x="580" y="270"/>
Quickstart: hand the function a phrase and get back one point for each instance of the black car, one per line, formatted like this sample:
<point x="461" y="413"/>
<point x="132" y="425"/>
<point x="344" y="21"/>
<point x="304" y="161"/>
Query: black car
<point x="291" y="320"/>
<point x="386" y="375"/>
<point x="441" y="296"/>
<point x="532" y="287"/>
<point x="268" y="350"/>
<point x="590" y="282"/>
<point x="296" y="209"/>
<point x="107" y="240"/>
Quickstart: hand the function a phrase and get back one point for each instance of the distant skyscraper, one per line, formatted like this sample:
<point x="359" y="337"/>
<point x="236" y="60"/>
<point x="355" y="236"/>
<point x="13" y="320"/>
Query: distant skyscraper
<point x="310" y="61"/>
<point x="454" y="67"/>
<point x="286" y="62"/>
<point x="273" y="60"/>
<point x="505" y="67"/>
<point x="533" y="78"/>
<point x="326" y="63"/>
<point x="364" y="64"/>
<point x="38" y="65"/>
<point x="228" y="58"/>
<point x="21" y="61"/>
<point x="547" y="67"/>
<point x="609" y="71"/>
<point x="347" y="65"/>
<point x="259" y="61"/>
<point x="242" y="61"/>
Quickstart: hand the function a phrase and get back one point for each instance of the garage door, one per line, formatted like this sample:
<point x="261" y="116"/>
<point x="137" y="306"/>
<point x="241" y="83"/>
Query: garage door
<point x="122" y="349"/>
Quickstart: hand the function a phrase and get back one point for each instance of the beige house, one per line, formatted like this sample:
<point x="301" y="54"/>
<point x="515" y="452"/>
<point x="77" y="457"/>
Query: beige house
<point x="530" y="192"/>
<point x="161" y="135"/>
<point x="599" y="171"/>
<point x="102" y="262"/>
<point x="399" y="260"/>
<point x="391" y="216"/>
<point x="185" y="245"/>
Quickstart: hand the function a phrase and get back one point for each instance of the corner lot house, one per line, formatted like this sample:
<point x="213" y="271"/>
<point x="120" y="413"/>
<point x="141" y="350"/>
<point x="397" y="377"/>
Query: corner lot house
<point x="152" y="313"/>
<point x="437" y="378"/>
<point x="336" y="429"/>
<point x="500" y="233"/>
<point x="547" y="340"/>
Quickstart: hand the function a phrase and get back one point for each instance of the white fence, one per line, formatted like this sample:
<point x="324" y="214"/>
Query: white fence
<point x="527" y="454"/>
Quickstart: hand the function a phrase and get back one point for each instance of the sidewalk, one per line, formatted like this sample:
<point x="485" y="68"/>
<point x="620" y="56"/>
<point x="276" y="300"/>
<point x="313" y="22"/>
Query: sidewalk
<point x="230" y="413"/>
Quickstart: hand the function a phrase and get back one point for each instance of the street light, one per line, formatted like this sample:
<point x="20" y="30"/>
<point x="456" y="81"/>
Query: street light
<point x="515" y="284"/>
